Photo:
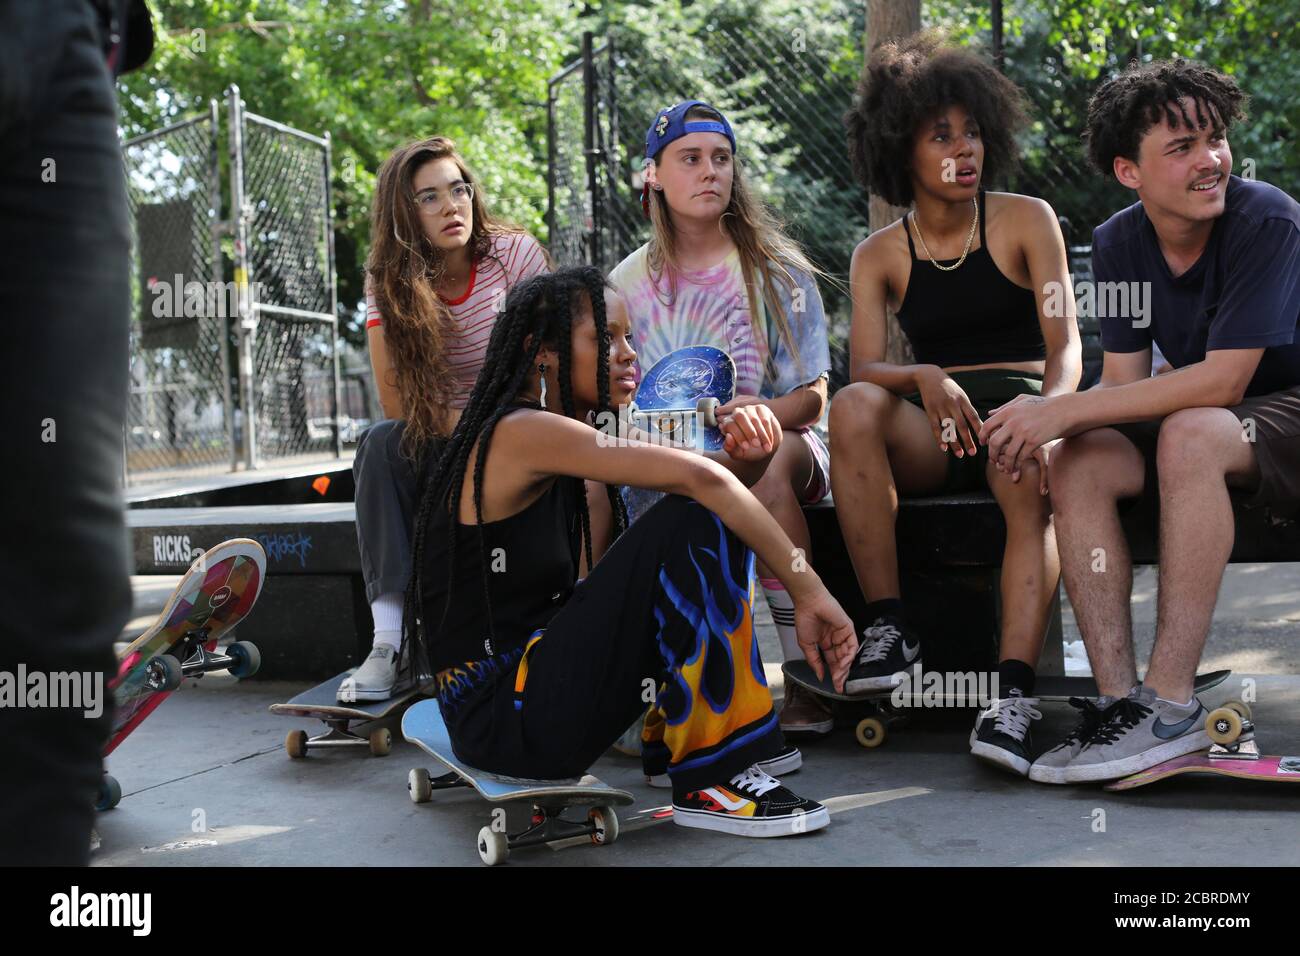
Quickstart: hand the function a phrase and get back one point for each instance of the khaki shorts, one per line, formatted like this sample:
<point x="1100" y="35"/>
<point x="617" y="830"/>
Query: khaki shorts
<point x="1275" y="420"/>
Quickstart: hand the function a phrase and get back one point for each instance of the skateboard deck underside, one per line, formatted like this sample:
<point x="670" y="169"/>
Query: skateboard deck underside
<point x="675" y="384"/>
<point x="216" y="593"/>
<point x="423" y="726"/>
<point x="1275" y="769"/>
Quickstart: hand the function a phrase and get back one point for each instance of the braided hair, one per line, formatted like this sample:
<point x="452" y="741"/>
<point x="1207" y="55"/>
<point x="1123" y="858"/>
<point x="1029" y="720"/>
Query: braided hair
<point x="543" y="307"/>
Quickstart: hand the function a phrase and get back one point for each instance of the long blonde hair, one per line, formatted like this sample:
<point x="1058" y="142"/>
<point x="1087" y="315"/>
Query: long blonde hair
<point x="405" y="268"/>
<point x="766" y="252"/>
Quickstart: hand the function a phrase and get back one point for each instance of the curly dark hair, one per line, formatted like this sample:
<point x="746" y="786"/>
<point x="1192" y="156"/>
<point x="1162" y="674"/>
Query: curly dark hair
<point x="907" y="81"/>
<point x="1125" y="109"/>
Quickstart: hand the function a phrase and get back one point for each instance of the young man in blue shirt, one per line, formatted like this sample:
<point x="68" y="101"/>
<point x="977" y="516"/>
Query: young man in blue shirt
<point x="1206" y="266"/>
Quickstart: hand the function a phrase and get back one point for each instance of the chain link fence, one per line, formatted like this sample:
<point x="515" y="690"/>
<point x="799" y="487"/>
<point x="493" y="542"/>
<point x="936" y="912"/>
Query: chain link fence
<point x="290" y="262"/>
<point x="239" y="373"/>
<point x="178" y="416"/>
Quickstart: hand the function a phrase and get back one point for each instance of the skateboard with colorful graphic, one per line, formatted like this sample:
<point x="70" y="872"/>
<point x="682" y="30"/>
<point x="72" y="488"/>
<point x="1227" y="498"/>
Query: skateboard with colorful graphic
<point x="423" y="726"/>
<point x="216" y="593"/>
<point x="679" y="397"/>
<point x="322" y="703"/>
<point x="883" y="712"/>
<point x="1235" y="753"/>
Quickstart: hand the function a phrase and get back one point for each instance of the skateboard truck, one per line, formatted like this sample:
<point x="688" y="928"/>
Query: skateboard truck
<point x="340" y="734"/>
<point x="190" y="658"/>
<point x="1232" y="731"/>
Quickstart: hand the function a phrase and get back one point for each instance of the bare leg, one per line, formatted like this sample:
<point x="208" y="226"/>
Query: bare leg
<point x="1031" y="566"/>
<point x="880" y="445"/>
<point x="1201" y="452"/>
<point x="1089" y="474"/>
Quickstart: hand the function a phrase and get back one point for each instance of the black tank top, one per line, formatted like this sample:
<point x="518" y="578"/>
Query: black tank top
<point x="970" y="316"/>
<point x="529" y="578"/>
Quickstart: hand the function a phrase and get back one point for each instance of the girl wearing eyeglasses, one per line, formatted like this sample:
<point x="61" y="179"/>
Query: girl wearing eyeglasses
<point x="439" y="269"/>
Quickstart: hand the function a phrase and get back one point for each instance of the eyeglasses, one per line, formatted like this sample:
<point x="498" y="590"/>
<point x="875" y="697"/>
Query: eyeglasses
<point x="430" y="200"/>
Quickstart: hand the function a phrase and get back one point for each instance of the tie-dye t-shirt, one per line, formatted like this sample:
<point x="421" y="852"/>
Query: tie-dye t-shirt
<point x="710" y="307"/>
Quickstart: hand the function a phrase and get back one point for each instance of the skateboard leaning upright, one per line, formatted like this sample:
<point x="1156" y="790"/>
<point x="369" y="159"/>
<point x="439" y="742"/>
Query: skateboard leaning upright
<point x="215" y="593"/>
<point x="321" y="702"/>
<point x="423" y="726"/>
<point x="679" y="397"/>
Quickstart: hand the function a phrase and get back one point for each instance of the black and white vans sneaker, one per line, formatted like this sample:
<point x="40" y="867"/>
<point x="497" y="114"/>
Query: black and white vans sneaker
<point x="1001" y="734"/>
<point x="787" y="761"/>
<point x="751" y="804"/>
<point x="887" y="648"/>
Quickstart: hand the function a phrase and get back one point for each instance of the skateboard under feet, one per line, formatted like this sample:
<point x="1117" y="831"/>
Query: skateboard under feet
<point x="423" y="726"/>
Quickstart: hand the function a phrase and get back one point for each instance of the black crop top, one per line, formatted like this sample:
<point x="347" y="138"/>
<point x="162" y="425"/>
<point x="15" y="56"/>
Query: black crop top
<point x="970" y="316"/>
<point x="529" y="579"/>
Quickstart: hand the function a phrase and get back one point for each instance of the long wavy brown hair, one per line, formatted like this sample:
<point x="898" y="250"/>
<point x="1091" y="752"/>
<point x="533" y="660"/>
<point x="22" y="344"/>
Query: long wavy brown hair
<point x="404" y="269"/>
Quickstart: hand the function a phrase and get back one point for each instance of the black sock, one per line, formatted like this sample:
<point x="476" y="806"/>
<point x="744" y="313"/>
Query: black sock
<point x="1017" y="674"/>
<point x="886" y="607"/>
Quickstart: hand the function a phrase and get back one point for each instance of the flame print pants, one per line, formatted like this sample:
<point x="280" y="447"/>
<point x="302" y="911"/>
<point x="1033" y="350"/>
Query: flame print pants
<point x="664" y="618"/>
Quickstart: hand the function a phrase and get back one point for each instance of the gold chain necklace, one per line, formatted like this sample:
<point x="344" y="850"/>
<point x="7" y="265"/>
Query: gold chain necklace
<point x="974" y="224"/>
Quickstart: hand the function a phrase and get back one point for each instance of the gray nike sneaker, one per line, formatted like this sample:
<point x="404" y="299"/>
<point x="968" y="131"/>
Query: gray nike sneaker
<point x="1050" y="765"/>
<point x="374" y="679"/>
<point x="1139" y="732"/>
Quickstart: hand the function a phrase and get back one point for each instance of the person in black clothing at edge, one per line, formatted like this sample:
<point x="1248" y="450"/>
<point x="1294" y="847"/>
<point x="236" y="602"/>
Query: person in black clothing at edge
<point x="965" y="271"/>
<point x="537" y="673"/>
<point x="65" y="291"/>
<point x="1209" y="264"/>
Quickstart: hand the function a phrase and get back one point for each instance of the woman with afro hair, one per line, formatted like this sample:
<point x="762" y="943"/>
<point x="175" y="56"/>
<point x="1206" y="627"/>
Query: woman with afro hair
<point x="977" y="280"/>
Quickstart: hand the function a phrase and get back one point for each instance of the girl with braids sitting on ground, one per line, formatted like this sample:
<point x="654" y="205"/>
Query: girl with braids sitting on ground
<point x="538" y="673"/>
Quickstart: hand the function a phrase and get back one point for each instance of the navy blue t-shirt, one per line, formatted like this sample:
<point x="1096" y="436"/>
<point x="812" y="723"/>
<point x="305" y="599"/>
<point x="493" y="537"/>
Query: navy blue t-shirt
<point x="1242" y="293"/>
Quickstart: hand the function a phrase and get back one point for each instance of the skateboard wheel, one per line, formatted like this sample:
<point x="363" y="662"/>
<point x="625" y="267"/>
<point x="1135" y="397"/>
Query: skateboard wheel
<point x="605" y="821"/>
<point x="493" y="846"/>
<point x="248" y="659"/>
<point x="165" y="673"/>
<point x="381" y="742"/>
<point x="870" y="732"/>
<point x="295" y="745"/>
<point x="1223" y="725"/>
<point x="1241" y="707"/>
<point x="417" y="782"/>
<point x="110" y="793"/>
<point x="707" y="410"/>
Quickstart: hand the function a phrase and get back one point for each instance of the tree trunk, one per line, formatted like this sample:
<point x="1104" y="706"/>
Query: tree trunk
<point x="887" y="20"/>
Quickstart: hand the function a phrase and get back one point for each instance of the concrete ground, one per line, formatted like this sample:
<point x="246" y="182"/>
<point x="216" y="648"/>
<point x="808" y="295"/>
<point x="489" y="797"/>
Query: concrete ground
<point x="206" y="781"/>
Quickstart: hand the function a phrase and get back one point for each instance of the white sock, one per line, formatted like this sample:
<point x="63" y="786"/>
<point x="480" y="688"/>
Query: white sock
<point x="387" y="612"/>
<point x="1179" y="704"/>
<point x="782" y="608"/>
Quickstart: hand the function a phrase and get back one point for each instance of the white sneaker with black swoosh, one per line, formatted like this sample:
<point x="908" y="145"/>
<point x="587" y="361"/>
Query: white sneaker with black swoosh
<point x="1137" y="732"/>
<point x="887" y="647"/>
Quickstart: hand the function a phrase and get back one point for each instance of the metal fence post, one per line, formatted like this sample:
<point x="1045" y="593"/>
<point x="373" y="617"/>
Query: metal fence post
<point x="589" y="143"/>
<point x="332" y="280"/>
<point x="218" y="275"/>
<point x="246" y="319"/>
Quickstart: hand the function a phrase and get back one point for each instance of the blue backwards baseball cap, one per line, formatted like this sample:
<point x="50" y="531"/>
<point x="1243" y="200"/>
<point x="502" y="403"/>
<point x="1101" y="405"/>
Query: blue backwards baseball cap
<point x="671" y="123"/>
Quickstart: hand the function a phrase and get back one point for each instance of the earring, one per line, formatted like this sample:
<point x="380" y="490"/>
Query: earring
<point x="542" y="370"/>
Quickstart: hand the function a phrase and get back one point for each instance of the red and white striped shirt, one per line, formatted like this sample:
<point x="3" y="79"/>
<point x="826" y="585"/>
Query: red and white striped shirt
<point x="514" y="256"/>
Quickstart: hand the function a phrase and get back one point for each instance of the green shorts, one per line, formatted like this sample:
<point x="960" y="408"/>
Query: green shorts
<point x="987" y="388"/>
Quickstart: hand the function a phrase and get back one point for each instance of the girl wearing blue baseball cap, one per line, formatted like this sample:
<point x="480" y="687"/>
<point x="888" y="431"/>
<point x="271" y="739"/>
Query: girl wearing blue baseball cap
<point x="718" y="270"/>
